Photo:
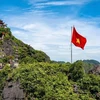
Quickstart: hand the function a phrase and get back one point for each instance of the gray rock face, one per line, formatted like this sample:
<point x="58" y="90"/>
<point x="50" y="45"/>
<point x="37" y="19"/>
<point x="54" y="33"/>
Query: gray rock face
<point x="75" y="88"/>
<point x="12" y="91"/>
<point x="95" y="70"/>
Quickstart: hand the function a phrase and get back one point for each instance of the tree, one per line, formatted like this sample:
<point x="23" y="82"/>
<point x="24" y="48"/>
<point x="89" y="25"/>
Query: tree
<point x="76" y="71"/>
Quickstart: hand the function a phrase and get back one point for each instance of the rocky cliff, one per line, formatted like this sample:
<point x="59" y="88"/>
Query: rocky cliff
<point x="12" y="48"/>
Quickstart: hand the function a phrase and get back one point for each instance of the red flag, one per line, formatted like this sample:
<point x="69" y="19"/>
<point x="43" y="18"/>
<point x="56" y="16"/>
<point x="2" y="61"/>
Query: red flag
<point x="77" y="39"/>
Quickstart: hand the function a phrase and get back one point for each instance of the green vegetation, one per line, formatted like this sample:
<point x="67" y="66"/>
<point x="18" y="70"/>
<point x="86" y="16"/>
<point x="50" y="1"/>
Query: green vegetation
<point x="3" y="76"/>
<point x="54" y="81"/>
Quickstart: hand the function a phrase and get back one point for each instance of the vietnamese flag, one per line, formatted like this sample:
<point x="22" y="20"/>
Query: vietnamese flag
<point x="77" y="39"/>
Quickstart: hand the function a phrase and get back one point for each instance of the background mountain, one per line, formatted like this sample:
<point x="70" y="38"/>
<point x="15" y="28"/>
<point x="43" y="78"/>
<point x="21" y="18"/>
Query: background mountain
<point x="12" y="48"/>
<point x="92" y="61"/>
<point x="90" y="64"/>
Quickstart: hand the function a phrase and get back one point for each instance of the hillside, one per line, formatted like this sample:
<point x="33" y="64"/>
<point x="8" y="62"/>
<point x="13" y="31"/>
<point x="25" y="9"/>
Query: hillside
<point x="13" y="48"/>
<point x="50" y="81"/>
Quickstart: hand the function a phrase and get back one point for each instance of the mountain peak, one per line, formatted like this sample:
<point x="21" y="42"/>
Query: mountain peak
<point x="12" y="48"/>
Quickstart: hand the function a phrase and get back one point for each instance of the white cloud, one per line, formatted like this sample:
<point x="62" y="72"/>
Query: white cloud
<point x="58" y="2"/>
<point x="39" y="4"/>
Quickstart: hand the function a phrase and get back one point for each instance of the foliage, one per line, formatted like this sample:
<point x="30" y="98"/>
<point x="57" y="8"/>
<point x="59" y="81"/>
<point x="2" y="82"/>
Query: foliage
<point x="3" y="76"/>
<point x="50" y="81"/>
<point x="90" y="84"/>
<point x="44" y="81"/>
<point x="76" y="71"/>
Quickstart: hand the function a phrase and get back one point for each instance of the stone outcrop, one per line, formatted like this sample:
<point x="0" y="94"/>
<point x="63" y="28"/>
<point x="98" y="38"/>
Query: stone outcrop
<point x="13" y="91"/>
<point x="75" y="88"/>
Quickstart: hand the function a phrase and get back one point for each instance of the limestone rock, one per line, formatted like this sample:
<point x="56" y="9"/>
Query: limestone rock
<point x="12" y="91"/>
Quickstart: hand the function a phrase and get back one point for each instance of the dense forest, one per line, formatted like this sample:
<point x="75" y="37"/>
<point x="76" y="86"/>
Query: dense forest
<point x="54" y="81"/>
<point x="43" y="79"/>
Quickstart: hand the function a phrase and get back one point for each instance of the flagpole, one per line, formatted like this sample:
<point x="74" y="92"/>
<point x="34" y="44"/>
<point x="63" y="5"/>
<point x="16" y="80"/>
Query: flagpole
<point x="71" y="45"/>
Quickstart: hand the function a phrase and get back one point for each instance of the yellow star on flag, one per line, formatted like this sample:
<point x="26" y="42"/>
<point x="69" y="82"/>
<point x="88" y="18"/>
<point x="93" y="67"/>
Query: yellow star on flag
<point x="78" y="40"/>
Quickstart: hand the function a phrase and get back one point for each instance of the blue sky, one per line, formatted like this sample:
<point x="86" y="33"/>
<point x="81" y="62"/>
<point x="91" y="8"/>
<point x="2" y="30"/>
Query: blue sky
<point x="46" y="25"/>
